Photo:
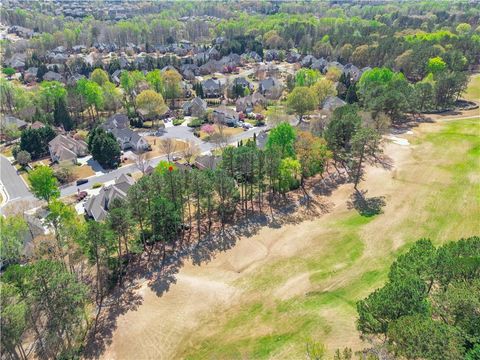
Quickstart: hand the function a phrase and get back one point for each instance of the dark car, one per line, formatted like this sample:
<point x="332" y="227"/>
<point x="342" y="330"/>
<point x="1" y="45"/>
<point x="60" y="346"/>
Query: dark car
<point x="81" y="181"/>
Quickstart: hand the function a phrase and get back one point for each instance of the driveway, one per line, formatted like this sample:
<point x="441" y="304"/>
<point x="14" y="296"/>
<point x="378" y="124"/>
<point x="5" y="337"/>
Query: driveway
<point x="12" y="182"/>
<point x="178" y="132"/>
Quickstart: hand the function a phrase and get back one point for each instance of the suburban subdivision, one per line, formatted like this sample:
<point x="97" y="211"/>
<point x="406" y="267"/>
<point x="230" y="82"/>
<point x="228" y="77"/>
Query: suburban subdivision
<point x="253" y="179"/>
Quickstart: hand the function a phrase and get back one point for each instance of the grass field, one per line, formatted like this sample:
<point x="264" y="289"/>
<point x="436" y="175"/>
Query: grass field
<point x="277" y="290"/>
<point x="473" y="90"/>
<point x="436" y="195"/>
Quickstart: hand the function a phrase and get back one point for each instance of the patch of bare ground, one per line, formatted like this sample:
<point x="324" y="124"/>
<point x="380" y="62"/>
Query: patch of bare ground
<point x="187" y="305"/>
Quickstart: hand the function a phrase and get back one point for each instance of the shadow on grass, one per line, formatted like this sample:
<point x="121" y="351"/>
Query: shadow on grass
<point x="366" y="206"/>
<point x="160" y="273"/>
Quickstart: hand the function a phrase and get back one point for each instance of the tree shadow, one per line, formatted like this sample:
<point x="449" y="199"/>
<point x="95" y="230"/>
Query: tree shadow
<point x="366" y="206"/>
<point x="161" y="273"/>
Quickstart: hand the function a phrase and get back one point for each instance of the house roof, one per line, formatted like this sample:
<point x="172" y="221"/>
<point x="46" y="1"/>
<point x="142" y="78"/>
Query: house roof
<point x="66" y="148"/>
<point x="97" y="206"/>
<point x="8" y="120"/>
<point x="211" y="84"/>
<point x="332" y="102"/>
<point x="119" y="121"/>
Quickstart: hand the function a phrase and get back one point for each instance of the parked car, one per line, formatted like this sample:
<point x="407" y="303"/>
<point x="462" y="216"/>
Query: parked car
<point x="81" y="181"/>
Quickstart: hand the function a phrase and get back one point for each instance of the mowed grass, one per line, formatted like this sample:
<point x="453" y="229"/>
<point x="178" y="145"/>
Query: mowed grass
<point x="436" y="194"/>
<point x="473" y="89"/>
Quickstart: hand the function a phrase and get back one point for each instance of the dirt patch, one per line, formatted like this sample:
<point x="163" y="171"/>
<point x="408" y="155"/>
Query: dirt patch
<point x="191" y="316"/>
<point x="296" y="286"/>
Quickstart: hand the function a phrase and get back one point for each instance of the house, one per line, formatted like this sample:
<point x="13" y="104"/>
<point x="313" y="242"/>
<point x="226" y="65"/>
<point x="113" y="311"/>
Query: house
<point x="332" y="102"/>
<point x="251" y="56"/>
<point x="53" y="76"/>
<point x="210" y="67"/>
<point x="66" y="149"/>
<point x="17" y="61"/>
<point x="261" y="139"/>
<point x="293" y="57"/>
<point x="30" y="74"/>
<point x="241" y="81"/>
<point x="37" y="125"/>
<point x="352" y="72"/>
<point x="207" y="162"/>
<point x="211" y="88"/>
<point x="72" y="80"/>
<point x="247" y="103"/>
<point x="224" y="115"/>
<point x="129" y="139"/>
<point x="7" y="121"/>
<point x="120" y="121"/>
<point x="272" y="55"/>
<point x="333" y="64"/>
<point x="308" y="60"/>
<point x="270" y="88"/>
<point x="319" y="64"/>
<point x="97" y="206"/>
<point x="196" y="107"/>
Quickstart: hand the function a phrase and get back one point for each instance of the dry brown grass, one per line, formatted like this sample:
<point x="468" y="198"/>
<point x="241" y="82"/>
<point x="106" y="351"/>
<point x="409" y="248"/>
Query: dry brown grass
<point x="265" y="296"/>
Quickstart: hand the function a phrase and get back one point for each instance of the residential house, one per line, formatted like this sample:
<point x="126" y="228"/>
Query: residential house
<point x="129" y="139"/>
<point x="120" y="121"/>
<point x="352" y="72"/>
<point x="270" y="88"/>
<point x="244" y="83"/>
<point x="247" y="103"/>
<point x="196" y="107"/>
<point x="211" y="88"/>
<point x="210" y="67"/>
<point x="224" y="115"/>
<point x="272" y="55"/>
<point x="308" y="60"/>
<point x="126" y="137"/>
<point x="251" y="56"/>
<point x="30" y="75"/>
<point x="7" y="121"/>
<point x="319" y="64"/>
<point x="204" y="162"/>
<point x="293" y="57"/>
<point x="261" y="139"/>
<point x="97" y="206"/>
<point x="53" y="76"/>
<point x="332" y="102"/>
<point x="17" y="61"/>
<point x="66" y="149"/>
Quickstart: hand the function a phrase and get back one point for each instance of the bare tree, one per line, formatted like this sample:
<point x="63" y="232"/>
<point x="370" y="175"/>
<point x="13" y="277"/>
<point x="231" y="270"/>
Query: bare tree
<point x="190" y="151"/>
<point x="142" y="162"/>
<point x="221" y="139"/>
<point x="168" y="146"/>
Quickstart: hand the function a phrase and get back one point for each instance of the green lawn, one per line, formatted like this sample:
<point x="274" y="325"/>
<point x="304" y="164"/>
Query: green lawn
<point x="473" y="89"/>
<point x="435" y="194"/>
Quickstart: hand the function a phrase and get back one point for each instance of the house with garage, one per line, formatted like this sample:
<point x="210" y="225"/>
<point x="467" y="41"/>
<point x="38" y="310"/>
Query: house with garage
<point x="196" y="107"/>
<point x="247" y="103"/>
<point x="127" y="138"/>
<point x="270" y="88"/>
<point x="96" y="207"/>
<point x="64" y="149"/>
<point x="226" y="116"/>
<point x="212" y="88"/>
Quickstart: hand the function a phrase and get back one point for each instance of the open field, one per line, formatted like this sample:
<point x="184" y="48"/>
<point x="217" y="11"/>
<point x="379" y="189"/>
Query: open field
<point x="272" y="291"/>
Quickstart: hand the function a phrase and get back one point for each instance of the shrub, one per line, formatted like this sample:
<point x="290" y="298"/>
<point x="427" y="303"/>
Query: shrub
<point x="177" y="122"/>
<point x="64" y="175"/>
<point x="194" y="123"/>
<point x="96" y="185"/>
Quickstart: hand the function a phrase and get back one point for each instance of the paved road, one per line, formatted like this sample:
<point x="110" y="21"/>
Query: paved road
<point x="179" y="132"/>
<point x="13" y="184"/>
<point x="17" y="190"/>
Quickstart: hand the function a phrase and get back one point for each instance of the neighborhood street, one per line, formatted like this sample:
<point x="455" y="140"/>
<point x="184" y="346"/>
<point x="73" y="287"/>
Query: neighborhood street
<point x="11" y="181"/>
<point x="17" y="190"/>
